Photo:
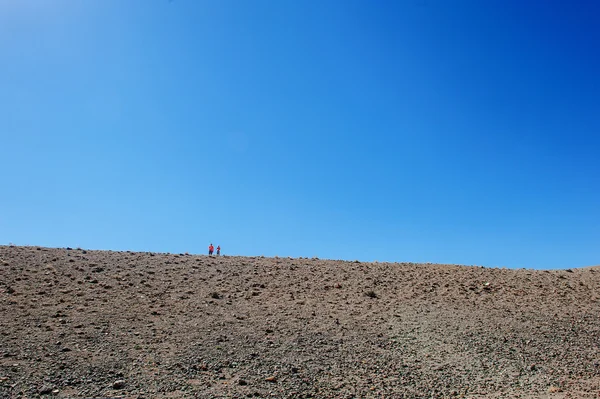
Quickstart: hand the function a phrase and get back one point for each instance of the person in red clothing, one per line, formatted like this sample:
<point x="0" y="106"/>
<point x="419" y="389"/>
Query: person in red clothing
<point x="210" y="249"/>
<point x="218" y="250"/>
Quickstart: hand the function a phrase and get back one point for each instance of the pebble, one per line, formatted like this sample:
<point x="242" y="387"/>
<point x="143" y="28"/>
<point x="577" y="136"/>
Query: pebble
<point x="119" y="384"/>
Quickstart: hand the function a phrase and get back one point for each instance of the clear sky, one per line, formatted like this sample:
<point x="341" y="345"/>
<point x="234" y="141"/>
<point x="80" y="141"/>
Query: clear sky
<point x="409" y="130"/>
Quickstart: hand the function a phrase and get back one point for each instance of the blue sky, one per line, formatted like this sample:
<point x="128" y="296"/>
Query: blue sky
<point x="420" y="130"/>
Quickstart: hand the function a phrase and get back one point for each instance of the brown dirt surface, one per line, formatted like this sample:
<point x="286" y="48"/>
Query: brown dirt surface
<point x="82" y="324"/>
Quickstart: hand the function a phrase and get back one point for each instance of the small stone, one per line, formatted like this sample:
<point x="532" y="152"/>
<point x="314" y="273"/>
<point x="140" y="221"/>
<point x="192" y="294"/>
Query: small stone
<point x="119" y="384"/>
<point x="553" y="389"/>
<point x="271" y="379"/>
<point x="45" y="390"/>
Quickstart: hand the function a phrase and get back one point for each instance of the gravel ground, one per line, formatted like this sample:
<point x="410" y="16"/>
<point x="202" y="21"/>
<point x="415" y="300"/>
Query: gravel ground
<point x="101" y="324"/>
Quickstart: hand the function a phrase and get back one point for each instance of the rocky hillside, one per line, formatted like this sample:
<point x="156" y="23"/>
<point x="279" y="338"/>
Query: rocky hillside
<point x="77" y="323"/>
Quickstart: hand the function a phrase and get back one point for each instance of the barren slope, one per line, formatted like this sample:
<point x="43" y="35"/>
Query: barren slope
<point x="77" y="323"/>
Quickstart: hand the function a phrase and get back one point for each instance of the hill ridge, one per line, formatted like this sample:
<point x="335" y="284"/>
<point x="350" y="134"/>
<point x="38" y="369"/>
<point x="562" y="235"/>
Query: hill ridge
<point x="83" y="323"/>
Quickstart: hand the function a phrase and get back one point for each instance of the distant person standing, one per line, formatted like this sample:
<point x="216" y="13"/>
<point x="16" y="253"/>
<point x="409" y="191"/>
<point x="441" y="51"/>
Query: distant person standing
<point x="218" y="250"/>
<point x="210" y="249"/>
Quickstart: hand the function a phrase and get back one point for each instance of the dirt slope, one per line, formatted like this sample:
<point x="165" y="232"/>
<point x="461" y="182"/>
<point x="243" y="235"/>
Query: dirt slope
<point x="77" y="323"/>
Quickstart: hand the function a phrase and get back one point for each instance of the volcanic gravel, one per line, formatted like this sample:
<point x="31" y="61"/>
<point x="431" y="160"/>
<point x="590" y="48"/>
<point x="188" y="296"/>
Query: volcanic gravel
<point x="81" y="324"/>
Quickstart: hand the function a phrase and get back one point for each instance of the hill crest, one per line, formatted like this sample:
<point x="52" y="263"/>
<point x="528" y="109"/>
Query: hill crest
<point x="102" y="323"/>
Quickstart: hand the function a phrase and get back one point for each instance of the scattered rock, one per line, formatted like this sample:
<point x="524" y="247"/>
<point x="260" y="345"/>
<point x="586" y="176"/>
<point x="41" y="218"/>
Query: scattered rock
<point x="371" y="294"/>
<point x="440" y="332"/>
<point x="45" y="390"/>
<point x="118" y="384"/>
